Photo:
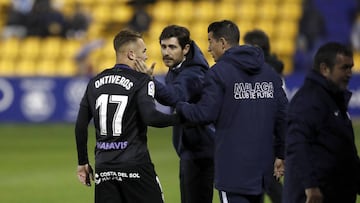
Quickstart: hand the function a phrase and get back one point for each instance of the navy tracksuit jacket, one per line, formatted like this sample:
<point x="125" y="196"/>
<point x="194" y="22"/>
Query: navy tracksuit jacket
<point x="185" y="83"/>
<point x="243" y="96"/>
<point x="320" y="147"/>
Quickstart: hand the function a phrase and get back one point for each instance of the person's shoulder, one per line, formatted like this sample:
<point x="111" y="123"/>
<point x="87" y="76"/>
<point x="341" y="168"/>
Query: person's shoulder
<point x="307" y="95"/>
<point x="275" y="63"/>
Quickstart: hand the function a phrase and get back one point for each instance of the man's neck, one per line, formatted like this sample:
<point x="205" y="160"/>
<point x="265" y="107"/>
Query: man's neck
<point x="178" y="65"/>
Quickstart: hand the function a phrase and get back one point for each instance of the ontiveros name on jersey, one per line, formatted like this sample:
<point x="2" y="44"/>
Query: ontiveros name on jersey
<point x="114" y="79"/>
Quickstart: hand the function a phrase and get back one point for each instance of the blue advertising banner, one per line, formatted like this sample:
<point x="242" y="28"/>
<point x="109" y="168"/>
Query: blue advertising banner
<point x="44" y="99"/>
<point x="40" y="99"/>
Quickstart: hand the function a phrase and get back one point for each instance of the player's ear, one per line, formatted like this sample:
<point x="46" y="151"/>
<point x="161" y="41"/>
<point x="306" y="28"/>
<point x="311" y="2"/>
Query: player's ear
<point x="131" y="55"/>
<point x="186" y="49"/>
<point x="324" y="69"/>
<point x="223" y="42"/>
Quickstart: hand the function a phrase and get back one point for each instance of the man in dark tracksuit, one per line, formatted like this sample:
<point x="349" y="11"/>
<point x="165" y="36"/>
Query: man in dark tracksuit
<point x="273" y="187"/>
<point x="184" y="82"/>
<point x="245" y="100"/>
<point x="322" y="164"/>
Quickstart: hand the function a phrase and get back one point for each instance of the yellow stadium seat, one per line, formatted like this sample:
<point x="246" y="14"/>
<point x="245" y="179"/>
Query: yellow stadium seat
<point x="290" y="10"/>
<point x="25" y="68"/>
<point x="269" y="1"/>
<point x="46" y="67"/>
<point x="7" y="67"/>
<point x="283" y="46"/>
<point x="244" y="26"/>
<point x="66" y="68"/>
<point x="203" y="45"/>
<point x="246" y="11"/>
<point x="162" y="11"/>
<point x="69" y="49"/>
<point x="122" y="13"/>
<point x="356" y="68"/>
<point x="288" y="64"/>
<point x="266" y="25"/>
<point x="88" y="2"/>
<point x="267" y="11"/>
<point x="204" y="11"/>
<point x="50" y="48"/>
<point x="199" y="30"/>
<point x="10" y="48"/>
<point x="286" y="29"/>
<point x="102" y="13"/>
<point x="225" y="10"/>
<point x="186" y="11"/>
<point x="95" y="30"/>
<point x="5" y="3"/>
<point x="30" y="48"/>
<point x="155" y="30"/>
<point x="153" y="50"/>
<point x="104" y="63"/>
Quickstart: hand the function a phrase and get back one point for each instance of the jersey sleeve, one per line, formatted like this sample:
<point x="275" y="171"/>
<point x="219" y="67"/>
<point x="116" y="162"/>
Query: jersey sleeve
<point x="147" y="108"/>
<point x="81" y="130"/>
<point x="207" y="109"/>
<point x="184" y="87"/>
<point x="280" y="120"/>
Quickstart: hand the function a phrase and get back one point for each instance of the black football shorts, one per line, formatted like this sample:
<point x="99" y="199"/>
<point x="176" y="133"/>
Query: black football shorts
<point x="135" y="184"/>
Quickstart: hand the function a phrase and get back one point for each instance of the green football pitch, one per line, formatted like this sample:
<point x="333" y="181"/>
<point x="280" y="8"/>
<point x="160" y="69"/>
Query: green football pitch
<point x="38" y="164"/>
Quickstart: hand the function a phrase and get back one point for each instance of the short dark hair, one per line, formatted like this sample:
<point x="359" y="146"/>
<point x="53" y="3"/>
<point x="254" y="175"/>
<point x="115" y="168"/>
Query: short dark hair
<point x="125" y="37"/>
<point x="259" y="38"/>
<point x="327" y="54"/>
<point x="226" y="29"/>
<point x="179" y="32"/>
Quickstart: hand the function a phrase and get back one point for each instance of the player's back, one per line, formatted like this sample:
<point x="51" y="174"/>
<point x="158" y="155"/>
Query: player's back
<point x="120" y="132"/>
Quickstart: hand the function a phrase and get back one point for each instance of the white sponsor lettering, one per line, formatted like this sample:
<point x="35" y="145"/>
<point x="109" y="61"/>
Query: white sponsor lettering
<point x="151" y="89"/>
<point x="114" y="79"/>
<point x="113" y="175"/>
<point x="258" y="90"/>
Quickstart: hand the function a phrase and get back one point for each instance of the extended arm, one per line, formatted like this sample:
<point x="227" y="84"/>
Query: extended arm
<point x="150" y="115"/>
<point x="187" y="86"/>
<point x="207" y="109"/>
<point x="280" y="120"/>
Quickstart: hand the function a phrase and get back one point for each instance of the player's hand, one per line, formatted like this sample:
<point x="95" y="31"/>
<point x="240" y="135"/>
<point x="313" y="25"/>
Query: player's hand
<point x="313" y="195"/>
<point x="279" y="168"/>
<point x="85" y="174"/>
<point x="140" y="66"/>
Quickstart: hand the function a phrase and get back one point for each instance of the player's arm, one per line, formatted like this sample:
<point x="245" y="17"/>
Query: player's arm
<point x="207" y="109"/>
<point x="301" y="134"/>
<point x="148" y="112"/>
<point x="84" y="170"/>
<point x="280" y="119"/>
<point x="186" y="85"/>
<point x="81" y="134"/>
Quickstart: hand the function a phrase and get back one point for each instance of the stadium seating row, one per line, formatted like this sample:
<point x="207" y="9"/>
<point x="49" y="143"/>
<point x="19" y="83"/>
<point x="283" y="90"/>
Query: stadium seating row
<point x="55" y="56"/>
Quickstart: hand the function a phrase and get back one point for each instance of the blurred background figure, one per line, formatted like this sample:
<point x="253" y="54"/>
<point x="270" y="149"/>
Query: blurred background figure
<point x="78" y="22"/>
<point x="15" y="25"/>
<point x="323" y="21"/>
<point x="259" y="38"/>
<point x="141" y="19"/>
<point x="44" y="20"/>
<point x="84" y="64"/>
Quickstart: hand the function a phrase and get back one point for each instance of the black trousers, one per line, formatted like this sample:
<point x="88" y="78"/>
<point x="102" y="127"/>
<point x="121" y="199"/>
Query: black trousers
<point x="274" y="191"/>
<point x="197" y="180"/>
